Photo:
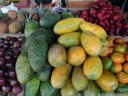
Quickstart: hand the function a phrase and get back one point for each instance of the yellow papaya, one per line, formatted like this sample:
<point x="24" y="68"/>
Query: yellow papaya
<point x="91" y="44"/>
<point x="93" y="67"/>
<point x="60" y="75"/>
<point x="67" y="25"/>
<point x="97" y="30"/>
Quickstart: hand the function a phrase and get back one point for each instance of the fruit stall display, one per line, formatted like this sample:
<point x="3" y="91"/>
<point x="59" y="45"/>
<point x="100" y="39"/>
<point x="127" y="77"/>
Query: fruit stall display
<point x="61" y="53"/>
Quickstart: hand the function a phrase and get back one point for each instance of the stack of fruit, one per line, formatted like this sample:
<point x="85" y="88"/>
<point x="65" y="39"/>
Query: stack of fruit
<point x="10" y="48"/>
<point x="109" y="17"/>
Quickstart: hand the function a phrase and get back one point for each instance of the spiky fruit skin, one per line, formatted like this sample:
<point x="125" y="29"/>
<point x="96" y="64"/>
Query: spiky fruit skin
<point x="15" y="26"/>
<point x="20" y="17"/>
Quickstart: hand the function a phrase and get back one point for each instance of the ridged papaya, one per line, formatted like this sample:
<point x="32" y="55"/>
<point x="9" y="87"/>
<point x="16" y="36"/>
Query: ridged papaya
<point x="67" y="25"/>
<point x="97" y="30"/>
<point x="70" y="39"/>
<point x="93" y="67"/>
<point x="76" y="55"/>
<point x="68" y="89"/>
<point x="57" y="55"/>
<point x="60" y="75"/>
<point x="108" y="81"/>
<point x="91" y="44"/>
<point x="79" y="81"/>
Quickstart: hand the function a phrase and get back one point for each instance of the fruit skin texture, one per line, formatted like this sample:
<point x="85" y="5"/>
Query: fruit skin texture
<point x="91" y="44"/>
<point x="108" y="81"/>
<point x="15" y="26"/>
<point x="97" y="30"/>
<point x="68" y="89"/>
<point x="122" y="77"/>
<point x="37" y="54"/>
<point x="120" y="48"/>
<point x="23" y="69"/>
<point x="46" y="89"/>
<point x="70" y="39"/>
<point x="76" y="55"/>
<point x="122" y="88"/>
<point x="3" y="28"/>
<point x="79" y="81"/>
<point x="125" y="67"/>
<point x="60" y="75"/>
<point x="92" y="89"/>
<point x="107" y="63"/>
<point x="93" y="67"/>
<point x="116" y="68"/>
<point x="45" y="73"/>
<point x="49" y="20"/>
<point x="30" y="27"/>
<point x="12" y="14"/>
<point x="57" y="55"/>
<point x="67" y="25"/>
<point x="66" y="15"/>
<point x="32" y="87"/>
<point x="118" y="58"/>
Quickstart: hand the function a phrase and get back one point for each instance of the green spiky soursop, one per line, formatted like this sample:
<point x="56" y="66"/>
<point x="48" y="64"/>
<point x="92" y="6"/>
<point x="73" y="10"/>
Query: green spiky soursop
<point x="41" y="34"/>
<point x="23" y="69"/>
<point x="46" y="89"/>
<point x="45" y="73"/>
<point x="37" y="54"/>
<point x="32" y="87"/>
<point x="49" y="20"/>
<point x="30" y="27"/>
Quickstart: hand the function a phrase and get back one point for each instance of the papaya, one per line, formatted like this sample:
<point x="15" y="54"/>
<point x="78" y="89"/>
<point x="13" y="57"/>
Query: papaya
<point x="57" y="55"/>
<point x="97" y="30"/>
<point x="68" y="89"/>
<point x="67" y="25"/>
<point x="79" y="81"/>
<point x="91" y="44"/>
<point x="108" y="81"/>
<point x="76" y="55"/>
<point x="70" y="39"/>
<point x="93" y="67"/>
<point x="92" y="89"/>
<point x="60" y="75"/>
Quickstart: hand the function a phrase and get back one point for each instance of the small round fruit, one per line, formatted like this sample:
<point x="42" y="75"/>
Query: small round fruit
<point x="2" y="61"/>
<point x="1" y="52"/>
<point x="119" y="40"/>
<point x="107" y="63"/>
<point x="125" y="67"/>
<point x="12" y="14"/>
<point x="11" y="73"/>
<point x="117" y="58"/>
<point x="6" y="88"/>
<point x="76" y="55"/>
<point x="126" y="57"/>
<point x="2" y="72"/>
<point x="13" y="82"/>
<point x="116" y="68"/>
<point x="8" y="57"/>
<point x="120" y="48"/>
<point x="122" y="77"/>
<point x="2" y="81"/>
<point x="3" y="28"/>
<point x="17" y="89"/>
<point x="9" y="65"/>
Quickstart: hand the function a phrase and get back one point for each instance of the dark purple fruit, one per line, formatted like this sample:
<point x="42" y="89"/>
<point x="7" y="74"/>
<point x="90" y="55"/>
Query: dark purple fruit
<point x="1" y="40"/>
<point x="6" y="46"/>
<point x="13" y="82"/>
<point x="1" y="45"/>
<point x="17" y="44"/>
<point x="6" y="88"/>
<point x="6" y="41"/>
<point x="17" y="89"/>
<point x="8" y="57"/>
<point x="16" y="55"/>
<point x="2" y="81"/>
<point x="2" y="72"/>
<point x="2" y="61"/>
<point x="9" y="65"/>
<point x="1" y="52"/>
<point x="12" y="73"/>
